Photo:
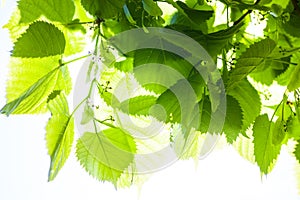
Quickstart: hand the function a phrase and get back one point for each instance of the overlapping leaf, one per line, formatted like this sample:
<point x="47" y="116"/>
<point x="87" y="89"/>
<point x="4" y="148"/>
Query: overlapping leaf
<point x="41" y="39"/>
<point x="233" y="120"/>
<point x="54" y="10"/>
<point x="105" y="155"/>
<point x="264" y="150"/>
<point x="152" y="8"/>
<point x="249" y="100"/>
<point x="190" y="16"/>
<point x="60" y="133"/>
<point x="250" y="61"/>
<point x="139" y="105"/>
<point x="28" y="89"/>
<point x="103" y="8"/>
<point x="160" y="63"/>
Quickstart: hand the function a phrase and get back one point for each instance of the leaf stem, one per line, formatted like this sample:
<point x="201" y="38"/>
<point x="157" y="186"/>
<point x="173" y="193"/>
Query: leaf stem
<point x="85" y="99"/>
<point x="282" y="61"/>
<point x="104" y="122"/>
<point x="75" y="23"/>
<point x="74" y="60"/>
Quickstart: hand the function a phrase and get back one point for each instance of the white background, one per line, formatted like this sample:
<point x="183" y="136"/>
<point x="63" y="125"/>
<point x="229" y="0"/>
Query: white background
<point x="24" y="165"/>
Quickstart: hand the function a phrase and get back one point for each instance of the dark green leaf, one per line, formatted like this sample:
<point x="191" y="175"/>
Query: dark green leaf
<point x="152" y="8"/>
<point x="192" y="16"/>
<point x="103" y="8"/>
<point x="214" y="42"/>
<point x="233" y="120"/>
<point x="155" y="64"/>
<point x="180" y="104"/>
<point x="41" y="39"/>
<point x="292" y="26"/>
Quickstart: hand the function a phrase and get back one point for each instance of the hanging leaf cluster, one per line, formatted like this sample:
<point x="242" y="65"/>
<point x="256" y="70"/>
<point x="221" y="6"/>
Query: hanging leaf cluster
<point x="47" y="35"/>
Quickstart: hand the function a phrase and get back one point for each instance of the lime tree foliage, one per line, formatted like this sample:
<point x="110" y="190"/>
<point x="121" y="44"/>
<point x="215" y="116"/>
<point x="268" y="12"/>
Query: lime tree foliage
<point x="49" y="36"/>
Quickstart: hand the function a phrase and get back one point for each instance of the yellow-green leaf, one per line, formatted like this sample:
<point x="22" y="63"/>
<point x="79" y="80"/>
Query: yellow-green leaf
<point x="59" y="134"/>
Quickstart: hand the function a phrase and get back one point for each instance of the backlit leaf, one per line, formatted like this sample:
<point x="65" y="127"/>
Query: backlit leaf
<point x="297" y="151"/>
<point x="152" y="8"/>
<point x="139" y="105"/>
<point x="233" y="120"/>
<point x="103" y="8"/>
<point x="249" y="101"/>
<point x="41" y="39"/>
<point x="59" y="134"/>
<point x="264" y="150"/>
<point x="250" y="61"/>
<point x="28" y="89"/>
<point x="105" y="155"/>
<point x="54" y="10"/>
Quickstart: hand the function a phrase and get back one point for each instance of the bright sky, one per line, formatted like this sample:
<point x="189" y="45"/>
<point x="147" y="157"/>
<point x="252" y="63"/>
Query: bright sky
<point x="222" y="175"/>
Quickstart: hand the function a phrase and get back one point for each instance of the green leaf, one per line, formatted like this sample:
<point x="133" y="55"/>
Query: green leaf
<point x="87" y="115"/>
<point x="128" y="15"/>
<point x="192" y="16"/>
<point x="125" y="65"/>
<point x="180" y="104"/>
<point x="245" y="148"/>
<point x="15" y="30"/>
<point x="233" y="120"/>
<point x="59" y="134"/>
<point x="293" y="127"/>
<point x="28" y="89"/>
<point x="297" y="151"/>
<point x="187" y="147"/>
<point x="250" y="60"/>
<point x="279" y="131"/>
<point x="205" y="117"/>
<point x="294" y="82"/>
<point x="54" y="10"/>
<point x="139" y="105"/>
<point x="214" y="42"/>
<point x="105" y="155"/>
<point x="107" y="57"/>
<point x="156" y="64"/>
<point x="282" y="3"/>
<point x="249" y="101"/>
<point x="264" y="150"/>
<point x="272" y="70"/>
<point x="152" y="8"/>
<point x="291" y="27"/>
<point x="103" y="8"/>
<point x="41" y="39"/>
